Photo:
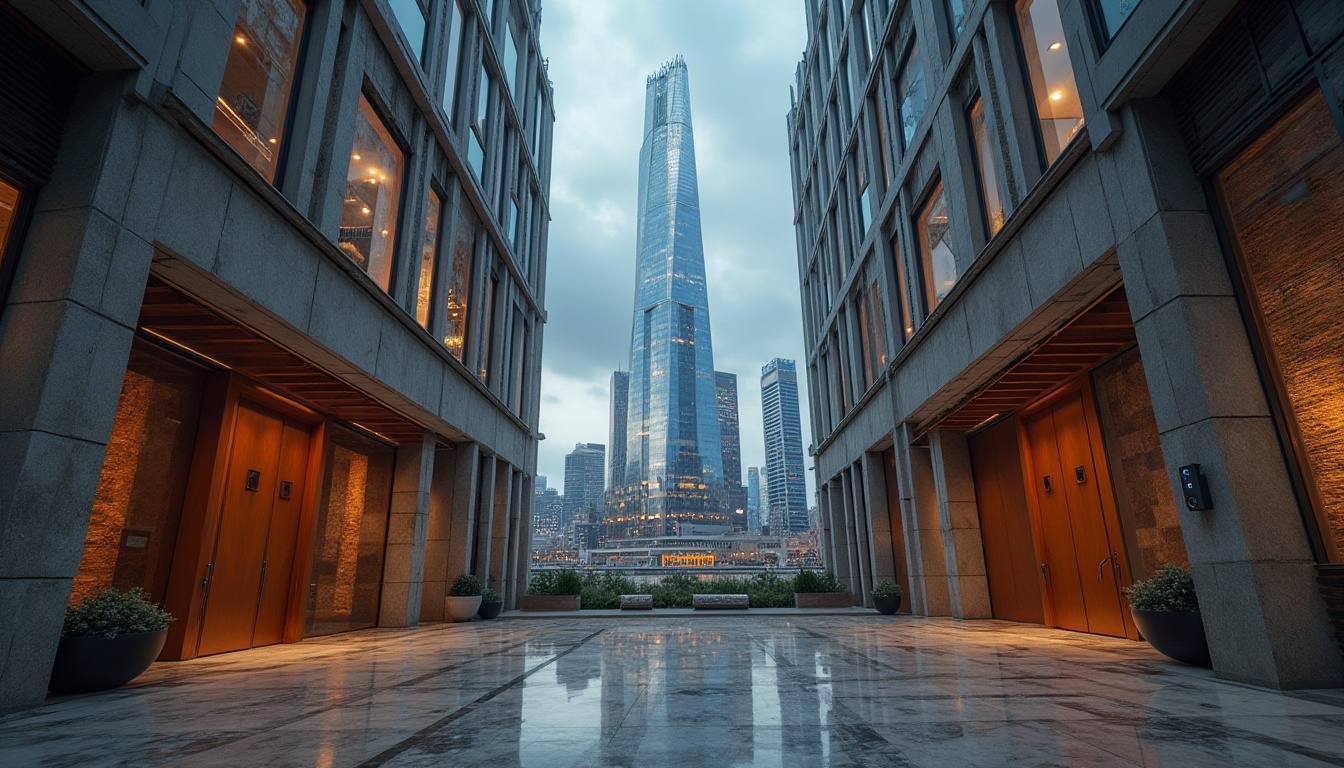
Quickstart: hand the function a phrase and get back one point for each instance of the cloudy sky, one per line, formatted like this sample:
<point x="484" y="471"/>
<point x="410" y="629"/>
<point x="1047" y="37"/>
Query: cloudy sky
<point x="741" y="56"/>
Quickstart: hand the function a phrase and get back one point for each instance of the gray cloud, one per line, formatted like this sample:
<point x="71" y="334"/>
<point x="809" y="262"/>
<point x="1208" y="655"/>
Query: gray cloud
<point x="742" y="56"/>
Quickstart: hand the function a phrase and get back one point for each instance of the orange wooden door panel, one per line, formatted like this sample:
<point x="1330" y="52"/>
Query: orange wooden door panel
<point x="1005" y="525"/>
<point x="1062" y="583"/>
<point x="240" y="545"/>
<point x="1091" y="547"/>
<point x="282" y="537"/>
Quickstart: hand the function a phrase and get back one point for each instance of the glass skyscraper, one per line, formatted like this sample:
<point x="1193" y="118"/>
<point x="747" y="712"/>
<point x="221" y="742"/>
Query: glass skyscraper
<point x="674" y="465"/>
<point x="783" y="447"/>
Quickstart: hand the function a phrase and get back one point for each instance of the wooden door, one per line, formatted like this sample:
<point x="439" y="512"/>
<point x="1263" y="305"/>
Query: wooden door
<point x="254" y="547"/>
<point x="1080" y="550"/>
<point x="1005" y="524"/>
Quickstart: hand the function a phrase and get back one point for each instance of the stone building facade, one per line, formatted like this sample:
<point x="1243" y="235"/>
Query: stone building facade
<point x="272" y="278"/>
<point x="1052" y="252"/>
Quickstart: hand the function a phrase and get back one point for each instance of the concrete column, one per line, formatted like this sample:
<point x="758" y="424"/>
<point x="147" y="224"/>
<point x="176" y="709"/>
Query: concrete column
<point x="485" y="517"/>
<point x="857" y="529"/>
<point x="505" y="501"/>
<point x="461" y="537"/>
<point x="520" y="541"/>
<point x="959" y="519"/>
<point x="1252" y="564"/>
<point x="839" y="527"/>
<point x="407" y="531"/>
<point x="923" y="528"/>
<point x="438" y="536"/>
<point x="65" y="337"/>
<point x="882" y="563"/>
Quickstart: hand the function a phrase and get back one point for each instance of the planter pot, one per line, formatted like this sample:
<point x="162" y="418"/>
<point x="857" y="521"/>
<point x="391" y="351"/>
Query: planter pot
<point x="86" y="664"/>
<point x="823" y="599"/>
<point x="887" y="605"/>
<point x="1175" y="634"/>
<point x="461" y="608"/>
<point x="490" y="610"/>
<point x="549" y="602"/>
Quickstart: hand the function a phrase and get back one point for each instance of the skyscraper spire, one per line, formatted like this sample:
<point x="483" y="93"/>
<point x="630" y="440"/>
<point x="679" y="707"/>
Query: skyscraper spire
<point x="674" y="465"/>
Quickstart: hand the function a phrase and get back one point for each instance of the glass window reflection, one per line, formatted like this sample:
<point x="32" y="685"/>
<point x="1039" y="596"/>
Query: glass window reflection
<point x="937" y="261"/>
<point x="914" y="97"/>
<point x="259" y="74"/>
<point x="411" y="17"/>
<point x="1051" y="74"/>
<point x="372" y="194"/>
<point x="989" y="175"/>
<point x="428" y="251"/>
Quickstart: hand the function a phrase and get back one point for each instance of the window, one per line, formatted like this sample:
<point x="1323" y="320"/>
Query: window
<point x="910" y="87"/>
<point x="428" y="250"/>
<point x="902" y="299"/>
<point x="459" y="280"/>
<point x="9" y="209"/>
<point x="1113" y="15"/>
<point x="372" y="193"/>
<point x="476" y="148"/>
<point x="956" y="17"/>
<point x="412" y="16"/>
<point x="536" y="125"/>
<point x="259" y="75"/>
<point x="510" y="61"/>
<point x="861" y="183"/>
<point x="866" y="21"/>
<point x="990" y="196"/>
<point x="882" y="142"/>
<point x="487" y="338"/>
<point x="937" y="262"/>
<point x="450" y="79"/>
<point x="1051" y="74"/>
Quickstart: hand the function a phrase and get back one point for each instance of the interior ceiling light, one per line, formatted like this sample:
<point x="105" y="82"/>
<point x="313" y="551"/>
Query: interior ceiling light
<point x="1056" y="95"/>
<point x="366" y="210"/>
<point x="272" y="141"/>
<point x="357" y="157"/>
<point x="1056" y="46"/>
<point x="240" y="40"/>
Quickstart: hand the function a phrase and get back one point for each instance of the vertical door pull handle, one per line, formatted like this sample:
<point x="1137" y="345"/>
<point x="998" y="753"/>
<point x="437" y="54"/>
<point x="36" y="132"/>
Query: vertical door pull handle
<point x="1045" y="576"/>
<point x="1101" y="568"/>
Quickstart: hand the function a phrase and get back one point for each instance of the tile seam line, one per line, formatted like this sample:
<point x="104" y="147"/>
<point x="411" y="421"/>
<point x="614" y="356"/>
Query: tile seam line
<point x="422" y="735"/>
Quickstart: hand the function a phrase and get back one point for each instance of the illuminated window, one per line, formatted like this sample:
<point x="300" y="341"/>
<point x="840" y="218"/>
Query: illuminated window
<point x="459" y="280"/>
<point x="412" y="16"/>
<point x="424" y="292"/>
<point x="258" y="77"/>
<point x="937" y="262"/>
<point x="453" y="59"/>
<point x="9" y="209"/>
<point x="914" y="97"/>
<point x="1051" y="74"/>
<point x="990" y="197"/>
<point x="372" y="194"/>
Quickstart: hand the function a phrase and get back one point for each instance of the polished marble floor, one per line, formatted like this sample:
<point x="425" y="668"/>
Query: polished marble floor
<point x="779" y="690"/>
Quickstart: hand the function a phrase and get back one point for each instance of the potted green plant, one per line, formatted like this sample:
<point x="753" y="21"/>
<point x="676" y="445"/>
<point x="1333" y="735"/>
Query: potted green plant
<point x="107" y="641"/>
<point x="464" y="598"/>
<point x="887" y="597"/>
<point x="812" y="589"/>
<point x="491" y="604"/>
<point x="1166" y="612"/>
<point x="553" y="591"/>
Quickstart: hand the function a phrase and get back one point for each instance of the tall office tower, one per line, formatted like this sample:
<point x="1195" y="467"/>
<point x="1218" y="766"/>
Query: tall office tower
<point x="674" y="468"/>
<point x="620" y="406"/>
<point x="584" y="471"/>
<point x="754" y="499"/>
<point x="547" y="510"/>
<point x="783" y="447"/>
<point x="734" y="493"/>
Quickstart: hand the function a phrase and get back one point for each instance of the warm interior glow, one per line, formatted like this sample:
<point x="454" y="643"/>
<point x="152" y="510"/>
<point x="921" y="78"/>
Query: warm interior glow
<point x="240" y="40"/>
<point x="1056" y="46"/>
<point x="1056" y="95"/>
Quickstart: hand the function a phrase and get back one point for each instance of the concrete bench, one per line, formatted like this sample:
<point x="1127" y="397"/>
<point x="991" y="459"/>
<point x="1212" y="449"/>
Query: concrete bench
<point x="636" y="602"/>
<point x="720" y="602"/>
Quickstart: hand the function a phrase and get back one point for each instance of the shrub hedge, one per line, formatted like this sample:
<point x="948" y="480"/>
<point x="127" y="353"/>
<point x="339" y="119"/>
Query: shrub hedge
<point x="603" y="590"/>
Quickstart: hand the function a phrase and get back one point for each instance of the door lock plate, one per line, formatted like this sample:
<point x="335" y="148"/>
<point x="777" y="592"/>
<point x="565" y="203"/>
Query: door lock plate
<point x="253" y="479"/>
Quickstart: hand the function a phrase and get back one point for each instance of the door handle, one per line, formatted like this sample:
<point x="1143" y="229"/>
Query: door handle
<point x="1101" y="567"/>
<point x="1045" y="576"/>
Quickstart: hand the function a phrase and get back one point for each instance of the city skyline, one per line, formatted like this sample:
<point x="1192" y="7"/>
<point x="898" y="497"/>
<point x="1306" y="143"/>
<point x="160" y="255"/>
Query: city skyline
<point x="746" y="207"/>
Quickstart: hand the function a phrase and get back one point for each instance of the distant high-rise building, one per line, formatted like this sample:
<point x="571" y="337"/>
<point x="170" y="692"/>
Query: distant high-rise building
<point x="755" y="494"/>
<point x="735" y="494"/>
<point x="547" y="510"/>
<point x="584" y="472"/>
<point x="783" y="447"/>
<point x="674" y="456"/>
<point x="620" y="406"/>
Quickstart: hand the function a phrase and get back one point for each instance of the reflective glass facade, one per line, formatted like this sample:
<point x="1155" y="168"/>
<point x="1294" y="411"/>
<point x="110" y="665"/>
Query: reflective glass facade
<point x="783" y="446"/>
<point x="674" y="469"/>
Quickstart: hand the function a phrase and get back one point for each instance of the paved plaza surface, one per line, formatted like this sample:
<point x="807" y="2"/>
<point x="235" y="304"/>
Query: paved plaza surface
<point x="777" y="690"/>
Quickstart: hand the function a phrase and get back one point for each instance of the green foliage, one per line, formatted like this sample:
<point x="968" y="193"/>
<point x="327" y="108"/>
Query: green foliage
<point x="602" y="591"/>
<point x="466" y="585"/>
<point x="811" y="581"/>
<point x="112" y="612"/>
<point x="765" y="590"/>
<point x="887" y="589"/>
<point x="1170" y="589"/>
<point x="491" y="596"/>
<point x="561" y="582"/>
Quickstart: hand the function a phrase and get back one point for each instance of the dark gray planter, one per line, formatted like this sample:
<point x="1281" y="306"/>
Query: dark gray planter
<point x="823" y="599"/>
<point x="549" y="602"/>
<point x="85" y="664"/>
<point x="887" y="605"/>
<point x="490" y="610"/>
<point x="1177" y="635"/>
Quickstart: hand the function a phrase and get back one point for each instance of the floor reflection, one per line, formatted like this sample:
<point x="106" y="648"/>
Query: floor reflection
<point x="704" y="691"/>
